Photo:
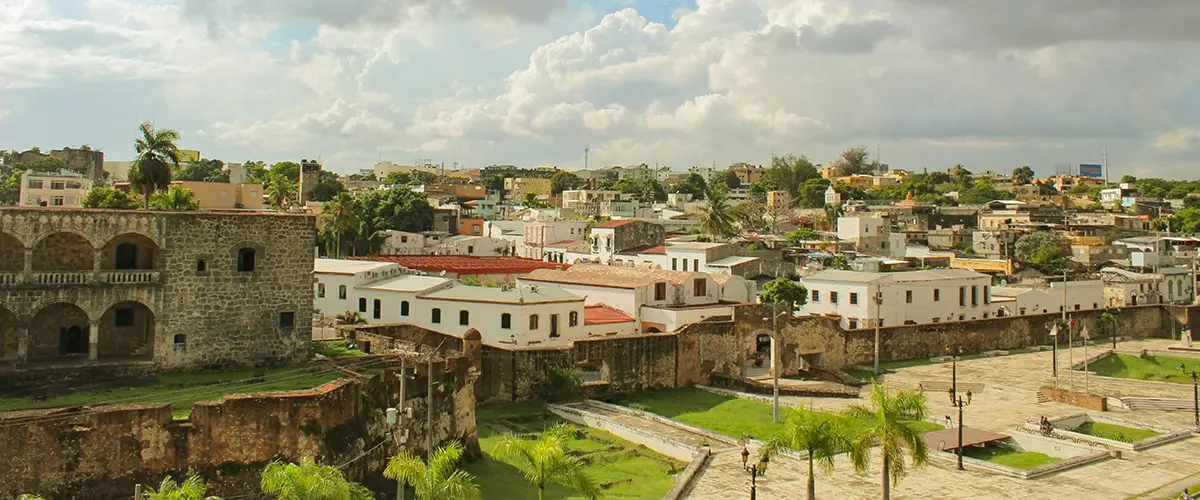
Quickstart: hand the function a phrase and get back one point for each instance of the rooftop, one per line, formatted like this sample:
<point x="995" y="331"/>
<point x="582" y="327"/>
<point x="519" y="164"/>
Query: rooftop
<point x="735" y="260"/>
<point x="694" y="245"/>
<point x="466" y="264"/>
<point x="525" y="294"/>
<point x="600" y="314"/>
<point x="564" y="244"/>
<point x="658" y="250"/>
<point x="609" y="276"/>
<point x="408" y="283"/>
<point x="342" y="266"/>
<point x="896" y="277"/>
<point x="615" y="223"/>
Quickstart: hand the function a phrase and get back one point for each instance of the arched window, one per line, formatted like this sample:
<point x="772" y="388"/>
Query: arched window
<point x="533" y="322"/>
<point x="362" y="304"/>
<point x="126" y="256"/>
<point x="436" y="316"/>
<point x="464" y="317"/>
<point x="506" y="321"/>
<point x="404" y="308"/>
<point x="321" y="290"/>
<point x="341" y="292"/>
<point x="573" y="319"/>
<point x="245" y="260"/>
<point x="377" y="310"/>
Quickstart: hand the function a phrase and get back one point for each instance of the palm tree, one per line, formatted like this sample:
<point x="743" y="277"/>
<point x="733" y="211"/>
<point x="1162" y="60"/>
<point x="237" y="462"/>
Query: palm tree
<point x="545" y="461"/>
<point x="156" y="156"/>
<point x="341" y="218"/>
<point x="192" y="488"/>
<point x="176" y="198"/>
<point x="30" y="496"/>
<point x="886" y="415"/>
<point x="440" y="480"/>
<point x="717" y="219"/>
<point x="351" y="317"/>
<point x="279" y="189"/>
<point x="822" y="435"/>
<point x="309" y="481"/>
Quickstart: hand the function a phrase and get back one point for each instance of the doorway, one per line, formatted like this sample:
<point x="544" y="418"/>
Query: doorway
<point x="72" y="340"/>
<point x="126" y="257"/>
<point x="553" y="325"/>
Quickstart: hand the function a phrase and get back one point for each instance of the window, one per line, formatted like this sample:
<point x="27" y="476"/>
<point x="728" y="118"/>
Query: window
<point x="974" y="295"/>
<point x="435" y="316"/>
<point x="342" y="292"/>
<point x="464" y="317"/>
<point x="245" y="260"/>
<point x="180" y="339"/>
<point x="404" y="239"/>
<point x="816" y="296"/>
<point x="58" y="185"/>
<point x="506" y="321"/>
<point x="533" y="322"/>
<point x="35" y="184"/>
<point x="362" y="304"/>
<point x="853" y="324"/>
<point x="700" y="286"/>
<point x="695" y="264"/>
<point x="320" y="290"/>
<point x="57" y="201"/>
<point x="377" y="309"/>
<point x="937" y="295"/>
<point x="908" y="296"/>
<point x="573" y="319"/>
<point x="553" y="325"/>
<point x="987" y="294"/>
<point x="1076" y="307"/>
<point x="685" y="264"/>
<point x="853" y="298"/>
<point x="660" y="291"/>
<point x="833" y="297"/>
<point x="962" y="296"/>
<point x="404" y="308"/>
<point x="674" y="264"/>
<point x="287" y="319"/>
<point x="470" y="250"/>
<point x="124" y="317"/>
<point x="201" y="265"/>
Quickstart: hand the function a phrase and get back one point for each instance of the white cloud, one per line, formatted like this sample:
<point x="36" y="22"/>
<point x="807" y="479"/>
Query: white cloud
<point x="1183" y="138"/>
<point x="4" y="113"/>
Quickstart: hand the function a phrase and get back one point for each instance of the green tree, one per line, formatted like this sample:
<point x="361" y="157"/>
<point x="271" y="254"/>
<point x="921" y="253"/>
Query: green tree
<point x="731" y="179"/>
<point x="280" y="190"/>
<point x="1046" y="249"/>
<point x="717" y="219"/>
<point x="546" y="461"/>
<point x="823" y="436"/>
<point x="255" y="172"/>
<point x="192" y="488"/>
<point x="694" y="184"/>
<point x="563" y="181"/>
<point x="103" y="197"/>
<point x="309" y="481"/>
<point x="10" y="186"/>
<point x="176" y="198"/>
<point x="157" y="154"/>
<point x="328" y="186"/>
<point x="396" y="208"/>
<point x="341" y="220"/>
<point x="751" y="217"/>
<point x="1022" y="175"/>
<point x="886" y="415"/>
<point x="854" y="160"/>
<point x="399" y="179"/>
<point x="840" y="262"/>
<point x="782" y="290"/>
<point x="441" y="479"/>
<point x="797" y="236"/>
<point x="812" y="193"/>
<point x="982" y="192"/>
<point x="47" y="164"/>
<point x="205" y="170"/>
<point x="30" y="496"/>
<point x="960" y="176"/>
<point x="531" y="201"/>
<point x="786" y="173"/>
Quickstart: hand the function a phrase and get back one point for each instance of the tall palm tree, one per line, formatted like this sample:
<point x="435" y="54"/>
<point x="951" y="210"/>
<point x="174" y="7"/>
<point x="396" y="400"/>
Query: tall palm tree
<point x="341" y="218"/>
<point x="309" y="481"/>
<point x="279" y="190"/>
<point x="717" y="219"/>
<point x="822" y="435"/>
<point x="192" y="488"/>
<point x="440" y="480"/>
<point x="156" y="156"/>
<point x="886" y="414"/>
<point x="545" y="461"/>
<point x="176" y="198"/>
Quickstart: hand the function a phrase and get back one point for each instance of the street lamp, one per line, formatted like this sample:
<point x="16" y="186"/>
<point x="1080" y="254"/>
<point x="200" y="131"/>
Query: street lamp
<point x="1195" y="392"/>
<point x="960" y="403"/>
<point x="755" y="470"/>
<point x="954" y="355"/>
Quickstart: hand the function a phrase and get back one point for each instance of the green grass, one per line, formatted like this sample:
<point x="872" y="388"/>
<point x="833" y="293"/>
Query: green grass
<point x="181" y="389"/>
<point x="1114" y="432"/>
<point x="733" y="417"/>
<point x="335" y="349"/>
<point x="1156" y="368"/>
<point x="1007" y="456"/>
<point x="908" y="363"/>
<point x="623" y="469"/>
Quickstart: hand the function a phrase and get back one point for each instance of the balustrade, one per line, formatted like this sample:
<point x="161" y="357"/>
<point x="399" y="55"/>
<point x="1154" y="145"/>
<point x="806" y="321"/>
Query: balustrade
<point x="59" y="278"/>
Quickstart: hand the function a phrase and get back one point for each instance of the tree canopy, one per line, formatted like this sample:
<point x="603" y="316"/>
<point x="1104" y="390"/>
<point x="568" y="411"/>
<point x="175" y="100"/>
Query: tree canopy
<point x="563" y="181"/>
<point x="103" y="197"/>
<point x="1046" y="249"/>
<point x="782" y="290"/>
<point x="205" y="170"/>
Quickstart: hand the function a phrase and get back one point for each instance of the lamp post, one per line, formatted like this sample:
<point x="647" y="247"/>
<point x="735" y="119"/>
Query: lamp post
<point x="755" y="470"/>
<point x="1195" y="392"/>
<point x="954" y="355"/>
<point x="960" y="403"/>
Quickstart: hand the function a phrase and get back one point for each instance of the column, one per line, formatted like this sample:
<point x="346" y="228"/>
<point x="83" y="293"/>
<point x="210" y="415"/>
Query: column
<point x="28" y="265"/>
<point x="93" y="341"/>
<point x="97" y="256"/>
<point x="22" y="345"/>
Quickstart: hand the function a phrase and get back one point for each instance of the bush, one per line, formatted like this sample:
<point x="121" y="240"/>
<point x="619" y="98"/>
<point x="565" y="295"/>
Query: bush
<point x="560" y="384"/>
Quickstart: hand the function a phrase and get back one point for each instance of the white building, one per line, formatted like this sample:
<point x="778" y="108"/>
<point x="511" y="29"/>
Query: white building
<point x="869" y="233"/>
<point x="512" y="231"/>
<point x="53" y="190"/>
<point x="1171" y="285"/>
<point x="832" y="197"/>
<point x="544" y="232"/>
<point x="1023" y="300"/>
<point x="479" y="246"/>
<point x="916" y="297"/>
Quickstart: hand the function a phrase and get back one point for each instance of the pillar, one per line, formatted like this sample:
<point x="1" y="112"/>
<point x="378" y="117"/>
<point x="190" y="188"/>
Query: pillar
<point x="93" y="341"/>
<point x="22" y="345"/>
<point x="97" y="256"/>
<point x="28" y="265"/>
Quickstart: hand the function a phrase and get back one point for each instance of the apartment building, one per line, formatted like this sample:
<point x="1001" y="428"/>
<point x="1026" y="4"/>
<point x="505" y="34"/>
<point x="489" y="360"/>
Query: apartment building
<point x="861" y="299"/>
<point x="65" y="189"/>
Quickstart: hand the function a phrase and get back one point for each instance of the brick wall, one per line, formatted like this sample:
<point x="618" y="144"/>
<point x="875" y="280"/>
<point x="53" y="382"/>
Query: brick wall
<point x="1089" y="401"/>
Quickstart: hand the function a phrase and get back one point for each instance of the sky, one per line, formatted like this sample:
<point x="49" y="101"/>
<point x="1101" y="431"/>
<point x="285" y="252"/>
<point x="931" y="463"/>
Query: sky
<point x="924" y="84"/>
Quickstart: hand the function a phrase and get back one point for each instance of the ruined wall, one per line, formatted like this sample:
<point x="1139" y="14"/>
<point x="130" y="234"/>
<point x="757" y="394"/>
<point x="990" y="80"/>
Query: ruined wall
<point x="1092" y="402"/>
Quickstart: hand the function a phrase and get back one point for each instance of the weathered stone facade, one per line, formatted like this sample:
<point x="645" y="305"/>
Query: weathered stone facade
<point x="161" y="287"/>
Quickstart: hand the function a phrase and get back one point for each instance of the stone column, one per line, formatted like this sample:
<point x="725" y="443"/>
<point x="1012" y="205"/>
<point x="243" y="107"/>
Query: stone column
<point x="93" y="341"/>
<point x="97" y="256"/>
<point x="22" y="345"/>
<point x="28" y="270"/>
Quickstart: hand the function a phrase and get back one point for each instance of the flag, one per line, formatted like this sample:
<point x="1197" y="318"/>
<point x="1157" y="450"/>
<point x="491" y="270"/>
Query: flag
<point x="1054" y="330"/>
<point x="1085" y="334"/>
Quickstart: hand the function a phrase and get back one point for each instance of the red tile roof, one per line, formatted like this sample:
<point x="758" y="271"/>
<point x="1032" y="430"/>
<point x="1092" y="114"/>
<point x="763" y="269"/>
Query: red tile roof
<point x="564" y="243"/>
<point x="601" y="314"/>
<point x="615" y="223"/>
<point x="658" y="250"/>
<point x="466" y="264"/>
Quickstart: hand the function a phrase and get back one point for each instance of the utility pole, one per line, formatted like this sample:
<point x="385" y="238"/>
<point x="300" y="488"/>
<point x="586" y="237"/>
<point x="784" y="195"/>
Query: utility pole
<point x="429" y="409"/>
<point x="1067" y="324"/>
<point x="586" y="150"/>
<point x="137" y="492"/>
<point x="400" y="410"/>
<point x="775" y="360"/>
<point x="878" y="321"/>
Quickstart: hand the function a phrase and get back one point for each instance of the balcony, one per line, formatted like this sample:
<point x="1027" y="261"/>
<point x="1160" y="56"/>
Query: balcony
<point x="63" y="278"/>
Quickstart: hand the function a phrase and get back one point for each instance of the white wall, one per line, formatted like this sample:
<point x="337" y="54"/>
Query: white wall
<point x="625" y="300"/>
<point x="675" y="319"/>
<point x="896" y="309"/>
<point x="402" y="243"/>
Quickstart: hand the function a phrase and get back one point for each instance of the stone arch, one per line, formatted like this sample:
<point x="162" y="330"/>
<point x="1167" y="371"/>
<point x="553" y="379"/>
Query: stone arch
<point x="12" y="254"/>
<point x="63" y="251"/>
<point x="129" y="251"/>
<point x="236" y="255"/>
<point x="126" y="329"/>
<point x="9" y="322"/>
<point x="59" y="330"/>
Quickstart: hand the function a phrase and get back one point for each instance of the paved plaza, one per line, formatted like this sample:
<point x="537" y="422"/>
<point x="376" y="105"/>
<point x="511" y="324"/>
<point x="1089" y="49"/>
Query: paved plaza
<point x="1007" y="399"/>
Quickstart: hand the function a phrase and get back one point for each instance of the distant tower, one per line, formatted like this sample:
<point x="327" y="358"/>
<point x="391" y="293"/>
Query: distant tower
<point x="832" y="197"/>
<point x="310" y="175"/>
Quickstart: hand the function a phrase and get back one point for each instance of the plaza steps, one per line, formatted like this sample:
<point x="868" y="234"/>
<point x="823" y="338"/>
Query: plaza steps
<point x="1159" y="404"/>
<point x="1042" y="397"/>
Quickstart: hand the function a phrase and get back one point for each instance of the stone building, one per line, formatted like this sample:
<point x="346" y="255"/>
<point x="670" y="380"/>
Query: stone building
<point x="170" y="290"/>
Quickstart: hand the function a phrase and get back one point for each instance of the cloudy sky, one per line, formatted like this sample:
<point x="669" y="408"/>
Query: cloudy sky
<point x="930" y="83"/>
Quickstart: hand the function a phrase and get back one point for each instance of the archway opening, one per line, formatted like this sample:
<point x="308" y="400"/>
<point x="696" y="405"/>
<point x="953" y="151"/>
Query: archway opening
<point x="762" y="343"/>
<point x="126" y="330"/>
<point x="58" y="331"/>
<point x="63" y="252"/>
<point x="129" y="252"/>
<point x="8" y="335"/>
<point x="12" y="254"/>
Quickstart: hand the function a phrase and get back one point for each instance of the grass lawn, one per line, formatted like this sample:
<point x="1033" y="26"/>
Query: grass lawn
<point x="1007" y="456"/>
<point x="1114" y="432"/>
<point x="727" y="415"/>
<point x="335" y="349"/>
<point x="181" y="389"/>
<point x="623" y="469"/>
<point x="1157" y="368"/>
<point x="906" y="363"/>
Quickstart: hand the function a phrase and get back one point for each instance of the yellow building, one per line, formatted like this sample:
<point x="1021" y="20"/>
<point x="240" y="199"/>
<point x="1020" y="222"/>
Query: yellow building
<point x="225" y="196"/>
<point x="188" y="155"/>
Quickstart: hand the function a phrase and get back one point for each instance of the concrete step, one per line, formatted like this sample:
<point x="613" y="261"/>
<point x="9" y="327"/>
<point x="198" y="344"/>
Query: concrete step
<point x="1160" y="404"/>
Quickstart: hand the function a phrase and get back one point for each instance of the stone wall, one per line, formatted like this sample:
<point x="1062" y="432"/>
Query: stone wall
<point x="101" y="452"/>
<point x="1092" y="402"/>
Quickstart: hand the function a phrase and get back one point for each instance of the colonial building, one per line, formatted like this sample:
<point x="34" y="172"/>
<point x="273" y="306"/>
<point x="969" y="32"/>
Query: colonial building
<point x="862" y="299"/>
<point x="166" y="289"/>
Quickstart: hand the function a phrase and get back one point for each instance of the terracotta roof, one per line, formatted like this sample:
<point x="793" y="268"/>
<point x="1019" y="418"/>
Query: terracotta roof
<point x="609" y="276"/>
<point x="601" y="314"/>
<point x="615" y="223"/>
<point x="658" y="250"/>
<point x="466" y="264"/>
<point x="564" y="243"/>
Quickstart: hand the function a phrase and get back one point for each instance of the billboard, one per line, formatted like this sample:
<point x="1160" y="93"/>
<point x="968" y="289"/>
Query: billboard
<point x="1091" y="170"/>
<point x="188" y="155"/>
